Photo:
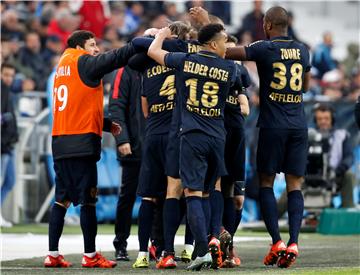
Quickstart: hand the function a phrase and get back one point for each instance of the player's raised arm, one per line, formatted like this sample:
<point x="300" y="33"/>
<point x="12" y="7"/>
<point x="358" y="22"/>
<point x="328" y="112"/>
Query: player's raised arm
<point x="155" y="50"/>
<point x="200" y="16"/>
<point x="236" y="53"/>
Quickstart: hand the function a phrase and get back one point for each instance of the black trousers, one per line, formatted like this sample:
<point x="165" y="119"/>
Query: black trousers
<point x="127" y="196"/>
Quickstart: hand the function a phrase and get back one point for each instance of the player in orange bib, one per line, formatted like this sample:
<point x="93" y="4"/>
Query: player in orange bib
<point x="76" y="143"/>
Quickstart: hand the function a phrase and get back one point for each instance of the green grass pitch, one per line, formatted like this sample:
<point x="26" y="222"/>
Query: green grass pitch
<point x="319" y="254"/>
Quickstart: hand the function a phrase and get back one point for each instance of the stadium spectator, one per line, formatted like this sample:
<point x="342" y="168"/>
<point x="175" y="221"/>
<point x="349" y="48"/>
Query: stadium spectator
<point x="171" y="11"/>
<point x="160" y="21"/>
<point x="352" y="61"/>
<point x="332" y="85"/>
<point x="63" y="24"/>
<point x="11" y="27"/>
<point x="153" y="8"/>
<point x="340" y="156"/>
<point x="354" y="85"/>
<point x="9" y="136"/>
<point x="52" y="48"/>
<point x="253" y="22"/>
<point x="133" y="17"/>
<point x="9" y="49"/>
<point x="116" y="24"/>
<point x="30" y="62"/>
<point x="112" y="36"/>
<point x="29" y="106"/>
<point x="36" y="24"/>
<point x="125" y="109"/>
<point x="94" y="15"/>
<point x="322" y="60"/>
<point x="221" y="9"/>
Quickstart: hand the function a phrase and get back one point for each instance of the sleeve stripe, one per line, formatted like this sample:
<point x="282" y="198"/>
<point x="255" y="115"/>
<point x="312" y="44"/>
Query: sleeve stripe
<point x="117" y="81"/>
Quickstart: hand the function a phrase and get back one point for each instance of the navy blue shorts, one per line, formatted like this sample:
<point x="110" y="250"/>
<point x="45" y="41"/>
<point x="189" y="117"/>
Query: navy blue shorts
<point x="239" y="188"/>
<point x="152" y="178"/>
<point x="76" y="180"/>
<point x="282" y="150"/>
<point x="173" y="154"/>
<point x="235" y="152"/>
<point x="201" y="161"/>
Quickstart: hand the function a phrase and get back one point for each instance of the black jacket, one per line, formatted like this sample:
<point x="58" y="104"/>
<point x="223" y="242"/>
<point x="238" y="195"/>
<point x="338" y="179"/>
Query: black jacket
<point x="34" y="66"/>
<point x="9" y="132"/>
<point x="125" y="109"/>
<point x="91" y="70"/>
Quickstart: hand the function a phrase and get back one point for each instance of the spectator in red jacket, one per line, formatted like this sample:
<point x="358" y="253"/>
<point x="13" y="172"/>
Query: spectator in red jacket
<point x="63" y="25"/>
<point x="94" y="15"/>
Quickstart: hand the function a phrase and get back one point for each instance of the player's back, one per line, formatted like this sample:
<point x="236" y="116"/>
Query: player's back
<point x="205" y="82"/>
<point x="159" y="90"/>
<point x="281" y="64"/>
<point x="186" y="46"/>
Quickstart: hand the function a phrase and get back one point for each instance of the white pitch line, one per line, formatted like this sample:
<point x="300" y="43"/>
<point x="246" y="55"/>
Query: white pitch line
<point x="20" y="246"/>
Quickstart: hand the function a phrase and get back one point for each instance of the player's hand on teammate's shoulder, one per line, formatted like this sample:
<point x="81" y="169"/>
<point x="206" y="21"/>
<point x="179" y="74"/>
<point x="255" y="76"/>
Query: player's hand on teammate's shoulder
<point x="125" y="149"/>
<point x="115" y="129"/>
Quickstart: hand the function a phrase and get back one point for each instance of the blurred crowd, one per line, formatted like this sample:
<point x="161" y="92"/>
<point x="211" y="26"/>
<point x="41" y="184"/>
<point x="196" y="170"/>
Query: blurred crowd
<point x="34" y="34"/>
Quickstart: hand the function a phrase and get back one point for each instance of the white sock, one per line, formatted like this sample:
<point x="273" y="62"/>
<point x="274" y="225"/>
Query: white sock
<point x="189" y="247"/>
<point x="90" y="255"/>
<point x="54" y="253"/>
<point x="143" y="254"/>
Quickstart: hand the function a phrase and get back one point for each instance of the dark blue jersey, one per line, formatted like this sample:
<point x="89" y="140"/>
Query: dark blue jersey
<point x="232" y="112"/>
<point x="204" y="83"/>
<point x="159" y="90"/>
<point x="281" y="64"/>
<point x="190" y="46"/>
<point x="170" y="45"/>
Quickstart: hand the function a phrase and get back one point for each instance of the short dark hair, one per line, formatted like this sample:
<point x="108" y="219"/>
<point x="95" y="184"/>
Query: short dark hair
<point x="322" y="107"/>
<point x="7" y="65"/>
<point x="209" y="32"/>
<point x="278" y="16"/>
<point x="78" y="38"/>
<point x="232" y="39"/>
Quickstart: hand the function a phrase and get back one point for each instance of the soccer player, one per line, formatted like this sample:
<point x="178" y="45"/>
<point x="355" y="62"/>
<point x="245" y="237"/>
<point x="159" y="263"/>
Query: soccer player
<point x="283" y="67"/>
<point x="233" y="185"/>
<point x="158" y="103"/>
<point x="76" y="143"/>
<point x="172" y="213"/>
<point x="206" y="79"/>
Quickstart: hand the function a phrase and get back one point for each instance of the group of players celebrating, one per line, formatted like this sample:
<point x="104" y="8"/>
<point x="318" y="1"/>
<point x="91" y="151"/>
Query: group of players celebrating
<point x="194" y="100"/>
